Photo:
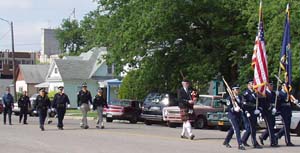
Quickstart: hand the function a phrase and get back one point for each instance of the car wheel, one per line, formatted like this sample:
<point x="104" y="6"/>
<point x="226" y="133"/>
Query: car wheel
<point x="171" y="125"/>
<point x="134" y="120"/>
<point x="199" y="123"/>
<point x="147" y="122"/>
<point x="109" y="119"/>
<point x="298" y="129"/>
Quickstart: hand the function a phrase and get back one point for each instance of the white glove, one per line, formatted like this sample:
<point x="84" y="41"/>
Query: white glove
<point x="68" y="105"/>
<point x="296" y="101"/>
<point x="274" y="111"/>
<point x="49" y="110"/>
<point x="3" y="105"/>
<point x="52" y="109"/>
<point x="35" y="112"/>
<point x="248" y="114"/>
<point x="78" y="108"/>
<point x="277" y="93"/>
<point x="257" y="111"/>
<point x="91" y="107"/>
<point x="237" y="109"/>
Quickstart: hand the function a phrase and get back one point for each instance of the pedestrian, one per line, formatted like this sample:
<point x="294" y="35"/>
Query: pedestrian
<point x="98" y="104"/>
<point x="186" y="104"/>
<point x="249" y="106"/>
<point x="234" y="115"/>
<point x="24" y="105"/>
<point x="285" y="110"/>
<point x="268" y="114"/>
<point x="84" y="101"/>
<point x="60" y="103"/>
<point x="42" y="105"/>
<point x="8" y="104"/>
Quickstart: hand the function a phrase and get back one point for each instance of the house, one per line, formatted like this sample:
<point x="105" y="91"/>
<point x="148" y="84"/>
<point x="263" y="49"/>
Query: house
<point x="71" y="72"/>
<point x="30" y="75"/>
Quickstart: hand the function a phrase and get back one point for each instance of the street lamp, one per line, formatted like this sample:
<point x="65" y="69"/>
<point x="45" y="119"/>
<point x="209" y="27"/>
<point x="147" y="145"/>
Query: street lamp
<point x="13" y="53"/>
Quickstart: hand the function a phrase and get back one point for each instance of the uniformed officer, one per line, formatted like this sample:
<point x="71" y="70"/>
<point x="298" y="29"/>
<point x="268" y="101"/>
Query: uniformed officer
<point x="234" y="116"/>
<point x="24" y="104"/>
<point x="42" y="105"/>
<point x="8" y="104"/>
<point x="285" y="110"/>
<point x="186" y="104"/>
<point x="84" y="101"/>
<point x="268" y="115"/>
<point x="60" y="103"/>
<point x="98" y="104"/>
<point x="249" y="106"/>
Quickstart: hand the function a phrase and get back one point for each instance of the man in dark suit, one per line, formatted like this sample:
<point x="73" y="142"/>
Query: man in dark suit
<point x="186" y="104"/>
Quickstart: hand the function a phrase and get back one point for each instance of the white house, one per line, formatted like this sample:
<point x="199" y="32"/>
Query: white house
<point x="71" y="72"/>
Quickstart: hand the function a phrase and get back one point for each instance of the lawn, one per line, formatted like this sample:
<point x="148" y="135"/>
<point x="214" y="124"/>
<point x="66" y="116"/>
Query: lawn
<point x="75" y="112"/>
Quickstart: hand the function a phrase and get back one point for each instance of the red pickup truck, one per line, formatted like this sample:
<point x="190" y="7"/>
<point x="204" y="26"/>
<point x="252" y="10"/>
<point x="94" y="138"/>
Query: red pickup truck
<point x="205" y="104"/>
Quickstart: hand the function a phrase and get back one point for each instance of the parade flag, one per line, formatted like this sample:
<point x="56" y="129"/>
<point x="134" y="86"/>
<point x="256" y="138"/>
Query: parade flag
<point x="259" y="59"/>
<point x="285" y="55"/>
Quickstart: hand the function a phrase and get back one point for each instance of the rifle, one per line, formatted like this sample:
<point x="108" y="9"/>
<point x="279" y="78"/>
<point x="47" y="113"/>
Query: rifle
<point x="232" y="97"/>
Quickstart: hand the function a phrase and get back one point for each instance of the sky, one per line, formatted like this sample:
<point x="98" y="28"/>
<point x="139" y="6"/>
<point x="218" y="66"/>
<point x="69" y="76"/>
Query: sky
<point x="30" y="16"/>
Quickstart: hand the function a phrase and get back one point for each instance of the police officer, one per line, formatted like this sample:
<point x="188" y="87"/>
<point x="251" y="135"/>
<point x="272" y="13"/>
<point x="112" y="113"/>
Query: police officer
<point x="84" y="99"/>
<point x="60" y="103"/>
<point x="8" y="104"/>
<point x="234" y="116"/>
<point x="285" y="110"/>
<point x="186" y="108"/>
<point x="42" y="105"/>
<point x="268" y="114"/>
<point x="98" y="104"/>
<point x="24" y="104"/>
<point x="249" y="106"/>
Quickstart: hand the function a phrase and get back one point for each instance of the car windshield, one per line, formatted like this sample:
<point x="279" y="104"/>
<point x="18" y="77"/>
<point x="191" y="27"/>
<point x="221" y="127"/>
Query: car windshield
<point x="121" y="103"/>
<point x="207" y="101"/>
<point x="155" y="97"/>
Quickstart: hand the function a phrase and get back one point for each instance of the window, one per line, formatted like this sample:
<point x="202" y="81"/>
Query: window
<point x="109" y="69"/>
<point x="10" y="64"/>
<point x="1" y="65"/>
<point x="55" y="70"/>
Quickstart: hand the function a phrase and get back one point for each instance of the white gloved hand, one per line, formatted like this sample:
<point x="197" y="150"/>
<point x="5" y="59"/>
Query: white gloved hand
<point x="78" y="108"/>
<point x="3" y="105"/>
<point x="68" y="105"/>
<point x="296" y="101"/>
<point x="257" y="111"/>
<point x="248" y="114"/>
<point x="237" y="109"/>
<point x="91" y="107"/>
<point x="49" y="110"/>
<point x="35" y="112"/>
<point x="277" y="93"/>
<point x="274" y="111"/>
<point x="52" y="109"/>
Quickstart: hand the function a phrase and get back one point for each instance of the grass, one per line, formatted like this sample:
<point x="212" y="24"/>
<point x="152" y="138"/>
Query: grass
<point x="75" y="112"/>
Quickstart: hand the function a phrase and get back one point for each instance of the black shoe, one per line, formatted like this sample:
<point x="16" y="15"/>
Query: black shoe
<point x="61" y="128"/>
<point x="102" y="127"/>
<point x="257" y="146"/>
<point x="86" y="127"/>
<point x="241" y="147"/>
<point x="227" y="145"/>
<point x="183" y="137"/>
<point x="50" y="121"/>
<point x="192" y="137"/>
<point x="274" y="145"/>
<point x="290" y="144"/>
<point x="246" y="144"/>
<point x="42" y="128"/>
<point x="4" y="123"/>
<point x="261" y="140"/>
<point x="25" y="123"/>
<point x="10" y="124"/>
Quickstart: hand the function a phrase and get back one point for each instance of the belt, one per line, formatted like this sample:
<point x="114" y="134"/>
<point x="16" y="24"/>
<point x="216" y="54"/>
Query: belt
<point x="286" y="104"/>
<point x="249" y="104"/>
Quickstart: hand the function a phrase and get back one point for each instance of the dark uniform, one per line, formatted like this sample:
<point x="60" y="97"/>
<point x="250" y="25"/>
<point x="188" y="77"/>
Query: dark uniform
<point x="60" y="103"/>
<point x="98" y="104"/>
<point x="285" y="110"/>
<point x="235" y="121"/>
<point x="42" y="105"/>
<point x="249" y="106"/>
<point x="8" y="104"/>
<point x="83" y="101"/>
<point x="267" y="105"/>
<point x="24" y="104"/>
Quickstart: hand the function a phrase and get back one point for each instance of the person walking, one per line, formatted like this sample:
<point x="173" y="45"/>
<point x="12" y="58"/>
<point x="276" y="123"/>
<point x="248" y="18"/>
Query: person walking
<point x="98" y="104"/>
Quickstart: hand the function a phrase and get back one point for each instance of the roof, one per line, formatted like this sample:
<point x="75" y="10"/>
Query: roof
<point x="82" y="67"/>
<point x="34" y="73"/>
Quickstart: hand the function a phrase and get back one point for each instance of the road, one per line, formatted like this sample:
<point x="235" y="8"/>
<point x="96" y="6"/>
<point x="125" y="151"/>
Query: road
<point x="117" y="137"/>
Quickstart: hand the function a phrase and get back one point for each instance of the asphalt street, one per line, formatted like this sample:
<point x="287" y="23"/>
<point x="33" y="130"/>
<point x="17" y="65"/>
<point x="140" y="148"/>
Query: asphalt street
<point x="117" y="137"/>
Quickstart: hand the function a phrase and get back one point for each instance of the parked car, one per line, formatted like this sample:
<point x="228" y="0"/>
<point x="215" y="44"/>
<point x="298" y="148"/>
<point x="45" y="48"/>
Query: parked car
<point x="219" y="119"/>
<point x="154" y="104"/>
<point x="124" y="110"/>
<point x="1" y="106"/>
<point x="205" y="104"/>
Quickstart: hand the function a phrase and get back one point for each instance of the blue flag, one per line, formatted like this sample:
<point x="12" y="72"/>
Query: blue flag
<point x="285" y="55"/>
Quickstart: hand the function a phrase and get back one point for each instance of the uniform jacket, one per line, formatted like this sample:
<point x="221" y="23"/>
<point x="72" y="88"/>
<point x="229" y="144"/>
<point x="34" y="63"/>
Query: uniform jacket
<point x="84" y="97"/>
<point x="60" y="100"/>
<point x="230" y="107"/>
<point x="24" y="102"/>
<point x="249" y="100"/>
<point x="42" y="103"/>
<point x="99" y="101"/>
<point x="184" y="97"/>
<point x="8" y="100"/>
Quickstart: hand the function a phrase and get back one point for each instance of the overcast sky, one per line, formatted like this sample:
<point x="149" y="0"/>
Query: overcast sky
<point x="29" y="16"/>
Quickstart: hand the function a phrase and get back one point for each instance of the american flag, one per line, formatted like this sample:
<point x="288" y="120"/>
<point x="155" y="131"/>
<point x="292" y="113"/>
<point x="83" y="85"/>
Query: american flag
<point x="259" y="59"/>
